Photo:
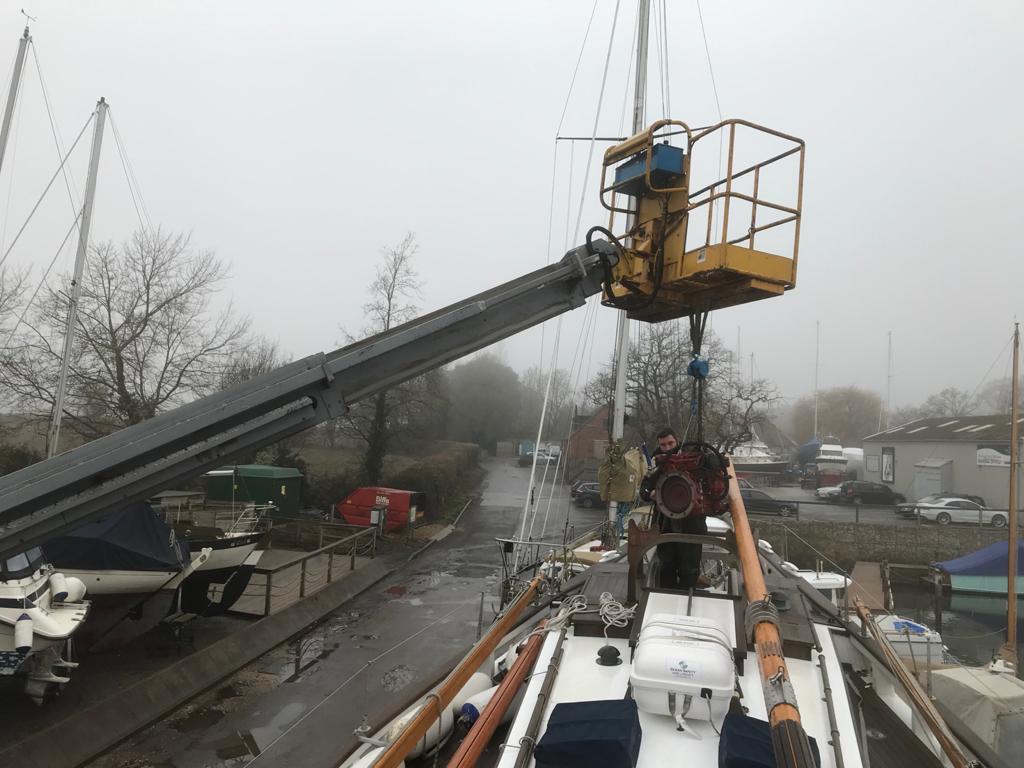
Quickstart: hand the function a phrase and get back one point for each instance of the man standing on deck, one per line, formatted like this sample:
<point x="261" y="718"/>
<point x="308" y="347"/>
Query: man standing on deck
<point x="679" y="563"/>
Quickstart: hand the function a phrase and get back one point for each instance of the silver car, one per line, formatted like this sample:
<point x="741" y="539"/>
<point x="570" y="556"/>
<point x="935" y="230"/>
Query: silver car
<point x="946" y="511"/>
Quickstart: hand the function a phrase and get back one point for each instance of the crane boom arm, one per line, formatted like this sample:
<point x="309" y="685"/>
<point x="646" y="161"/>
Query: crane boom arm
<point x="67" y="491"/>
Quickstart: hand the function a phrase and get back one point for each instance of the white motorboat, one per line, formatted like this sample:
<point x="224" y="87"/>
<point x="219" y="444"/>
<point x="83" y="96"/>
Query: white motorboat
<point x="41" y="610"/>
<point x="755" y="456"/>
<point x="132" y="563"/>
<point x="915" y="643"/>
<point x="831" y="458"/>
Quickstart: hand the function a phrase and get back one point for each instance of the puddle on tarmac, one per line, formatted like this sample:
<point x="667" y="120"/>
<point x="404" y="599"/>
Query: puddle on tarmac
<point x="396" y="678"/>
<point x="198" y="720"/>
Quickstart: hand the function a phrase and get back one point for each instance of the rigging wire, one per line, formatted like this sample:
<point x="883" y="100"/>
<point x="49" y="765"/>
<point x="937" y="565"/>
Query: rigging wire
<point x="661" y="59"/>
<point x="664" y="32"/>
<point x="718" y="107"/>
<point x="369" y="663"/>
<point x="39" y="285"/>
<point x="57" y="140"/>
<point x="133" y="183"/>
<point x="554" y="158"/>
<point x="572" y="81"/>
<point x="597" y="118"/>
<point x="711" y="68"/>
<point x="47" y="189"/>
<point x="579" y="217"/>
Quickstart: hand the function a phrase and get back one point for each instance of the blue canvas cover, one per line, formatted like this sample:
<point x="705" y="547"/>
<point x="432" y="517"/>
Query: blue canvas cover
<point x="746" y="742"/>
<point x="133" y="538"/>
<point x="584" y="734"/>
<point x="993" y="560"/>
<point x="808" y="452"/>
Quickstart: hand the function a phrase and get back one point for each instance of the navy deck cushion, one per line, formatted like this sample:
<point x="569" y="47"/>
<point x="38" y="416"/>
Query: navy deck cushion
<point x="746" y="742"/>
<point x="584" y="734"/>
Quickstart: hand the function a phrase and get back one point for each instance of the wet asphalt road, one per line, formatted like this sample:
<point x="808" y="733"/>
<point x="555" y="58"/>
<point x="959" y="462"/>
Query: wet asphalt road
<point x="299" y="704"/>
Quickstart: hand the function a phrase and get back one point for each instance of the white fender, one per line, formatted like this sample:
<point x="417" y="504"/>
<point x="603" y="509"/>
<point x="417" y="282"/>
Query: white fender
<point x="435" y="735"/>
<point x="58" y="588"/>
<point x="23" y="634"/>
<point x="371" y="757"/>
<point x="76" y="589"/>
<point x="477" y="683"/>
<point x="474" y="707"/>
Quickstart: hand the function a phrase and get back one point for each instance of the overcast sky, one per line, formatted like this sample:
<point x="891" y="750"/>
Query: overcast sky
<point x="296" y="140"/>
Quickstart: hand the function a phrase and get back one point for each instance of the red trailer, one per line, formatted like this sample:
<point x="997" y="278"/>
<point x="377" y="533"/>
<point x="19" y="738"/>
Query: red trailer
<point x="397" y="506"/>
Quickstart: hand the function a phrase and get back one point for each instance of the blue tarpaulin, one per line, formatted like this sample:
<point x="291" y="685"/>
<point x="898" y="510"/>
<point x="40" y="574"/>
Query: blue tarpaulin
<point x="992" y="560"/>
<point x="132" y="539"/>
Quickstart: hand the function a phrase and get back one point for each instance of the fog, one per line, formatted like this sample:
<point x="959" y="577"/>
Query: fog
<point x="296" y="141"/>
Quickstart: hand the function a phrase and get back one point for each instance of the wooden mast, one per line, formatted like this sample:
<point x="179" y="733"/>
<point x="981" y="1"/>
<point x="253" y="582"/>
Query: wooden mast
<point x="792" y="748"/>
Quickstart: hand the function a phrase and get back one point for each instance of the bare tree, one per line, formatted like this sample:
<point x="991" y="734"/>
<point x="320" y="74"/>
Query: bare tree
<point x="559" y="410"/>
<point x="847" y="413"/>
<point x="950" y="402"/>
<point x="12" y="284"/>
<point x="379" y="420"/>
<point x="146" y="337"/>
<point x="259" y="355"/>
<point x="994" y="396"/>
<point x="661" y="393"/>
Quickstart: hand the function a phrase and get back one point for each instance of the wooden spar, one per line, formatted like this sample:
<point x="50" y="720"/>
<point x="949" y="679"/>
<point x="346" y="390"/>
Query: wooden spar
<point x="436" y="702"/>
<point x="788" y="736"/>
<point x="919" y="698"/>
<point x="473" y="746"/>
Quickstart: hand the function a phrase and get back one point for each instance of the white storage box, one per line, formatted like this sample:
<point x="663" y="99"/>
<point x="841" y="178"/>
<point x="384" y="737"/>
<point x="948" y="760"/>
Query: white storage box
<point x="685" y="656"/>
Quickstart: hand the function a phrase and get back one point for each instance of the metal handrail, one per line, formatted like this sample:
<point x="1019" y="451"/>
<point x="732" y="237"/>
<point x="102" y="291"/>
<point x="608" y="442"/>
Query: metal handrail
<point x="370" y="533"/>
<point x="714" y="192"/>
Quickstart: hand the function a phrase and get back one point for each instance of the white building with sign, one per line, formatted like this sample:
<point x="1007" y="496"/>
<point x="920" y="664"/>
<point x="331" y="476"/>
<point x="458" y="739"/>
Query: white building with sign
<point x="965" y="454"/>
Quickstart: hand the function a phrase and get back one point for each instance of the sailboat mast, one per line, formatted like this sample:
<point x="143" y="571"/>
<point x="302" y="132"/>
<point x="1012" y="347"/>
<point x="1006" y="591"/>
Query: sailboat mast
<point x="53" y="439"/>
<point x="622" y="322"/>
<point x="12" y="94"/>
<point x="1010" y="650"/>
<point x="888" y="386"/>
<point x="817" y="359"/>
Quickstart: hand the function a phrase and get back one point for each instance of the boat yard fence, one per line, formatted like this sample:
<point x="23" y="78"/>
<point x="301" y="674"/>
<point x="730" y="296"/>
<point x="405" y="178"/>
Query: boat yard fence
<point x="274" y="587"/>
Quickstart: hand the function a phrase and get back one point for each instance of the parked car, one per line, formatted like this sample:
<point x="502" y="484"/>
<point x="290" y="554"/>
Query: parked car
<point x="909" y="508"/>
<point x="526" y="459"/>
<point x="970" y="497"/>
<point x="946" y="510"/>
<point x="743" y="482"/>
<point x="863" y="492"/>
<point x="828" y="493"/>
<point x="583" y="486"/>
<point x="759" y="501"/>
<point x="588" y="496"/>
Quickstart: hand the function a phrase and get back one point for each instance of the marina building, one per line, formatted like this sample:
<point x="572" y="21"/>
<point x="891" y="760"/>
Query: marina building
<point x="953" y="454"/>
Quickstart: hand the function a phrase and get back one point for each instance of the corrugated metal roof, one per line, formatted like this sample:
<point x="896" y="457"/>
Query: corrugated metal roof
<point x="965" y="429"/>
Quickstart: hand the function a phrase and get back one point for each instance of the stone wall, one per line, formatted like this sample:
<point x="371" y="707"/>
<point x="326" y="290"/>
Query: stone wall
<point x="846" y="543"/>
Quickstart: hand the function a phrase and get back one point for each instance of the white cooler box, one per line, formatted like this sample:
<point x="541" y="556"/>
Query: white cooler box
<point x="684" y="655"/>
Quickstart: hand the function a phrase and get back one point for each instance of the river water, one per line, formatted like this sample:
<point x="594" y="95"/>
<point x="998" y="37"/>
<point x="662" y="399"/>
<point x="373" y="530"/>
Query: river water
<point x="973" y="627"/>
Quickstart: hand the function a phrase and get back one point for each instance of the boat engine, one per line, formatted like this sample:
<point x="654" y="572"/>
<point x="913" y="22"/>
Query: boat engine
<point x="692" y="481"/>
